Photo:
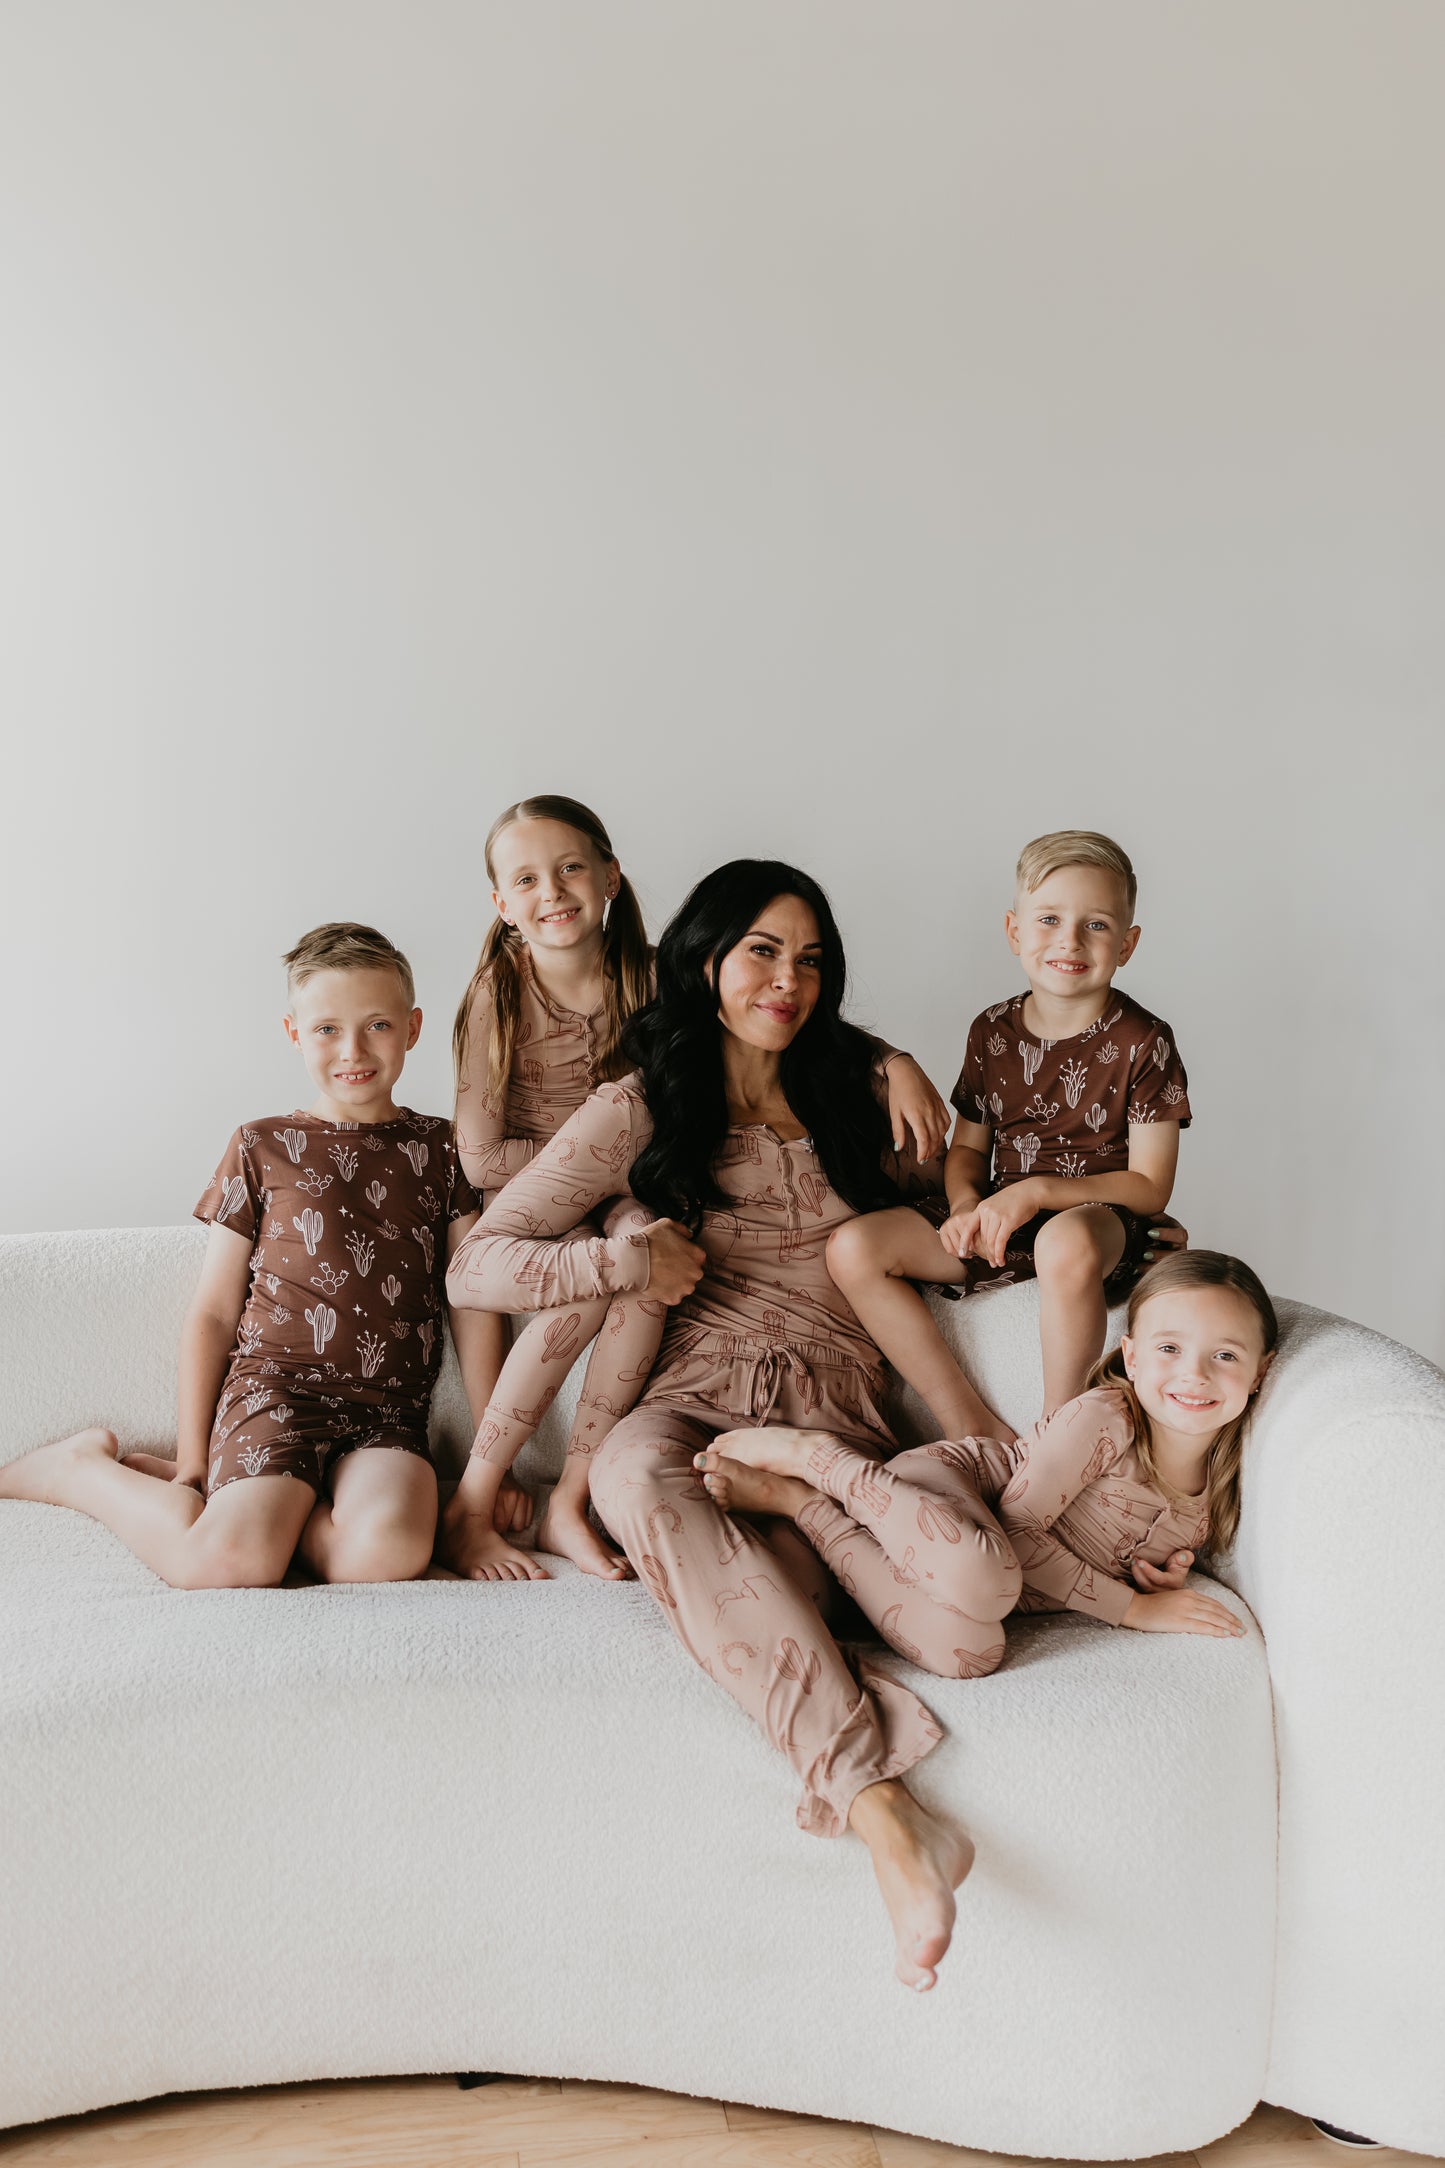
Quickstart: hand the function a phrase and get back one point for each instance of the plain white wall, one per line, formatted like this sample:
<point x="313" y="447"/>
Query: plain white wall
<point x="871" y="434"/>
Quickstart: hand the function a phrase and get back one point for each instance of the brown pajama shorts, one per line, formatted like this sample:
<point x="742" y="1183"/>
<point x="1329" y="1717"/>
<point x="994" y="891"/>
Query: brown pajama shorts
<point x="1018" y="1261"/>
<point x="265" y="1427"/>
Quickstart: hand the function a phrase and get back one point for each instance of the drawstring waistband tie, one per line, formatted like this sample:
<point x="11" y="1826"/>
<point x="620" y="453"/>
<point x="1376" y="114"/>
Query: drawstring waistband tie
<point x="768" y="1369"/>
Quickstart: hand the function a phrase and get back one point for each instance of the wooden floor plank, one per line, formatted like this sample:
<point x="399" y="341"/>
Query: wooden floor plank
<point x="896" y="2150"/>
<point x="583" y="2114"/>
<point x="426" y="2122"/>
<point x="742" y="2117"/>
<point x="549" y="2123"/>
<point x="798" y="2145"/>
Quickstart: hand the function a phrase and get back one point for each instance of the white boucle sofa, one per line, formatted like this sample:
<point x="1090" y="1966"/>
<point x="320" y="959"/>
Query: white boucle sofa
<point x="252" y="1836"/>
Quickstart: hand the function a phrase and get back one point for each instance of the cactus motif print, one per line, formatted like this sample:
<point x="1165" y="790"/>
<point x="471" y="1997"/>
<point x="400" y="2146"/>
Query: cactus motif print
<point x="344" y="1302"/>
<point x="1064" y="1106"/>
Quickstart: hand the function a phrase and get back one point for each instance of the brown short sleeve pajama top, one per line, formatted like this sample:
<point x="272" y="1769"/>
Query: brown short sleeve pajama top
<point x="340" y="1341"/>
<point x="1065" y="1107"/>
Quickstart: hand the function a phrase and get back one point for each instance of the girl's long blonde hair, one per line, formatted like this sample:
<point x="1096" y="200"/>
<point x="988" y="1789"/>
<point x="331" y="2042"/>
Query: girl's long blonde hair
<point x="1172" y="1274"/>
<point x="626" y="959"/>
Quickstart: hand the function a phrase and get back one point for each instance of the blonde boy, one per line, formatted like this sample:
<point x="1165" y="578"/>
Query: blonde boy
<point x="1070" y="1102"/>
<point x="313" y="1340"/>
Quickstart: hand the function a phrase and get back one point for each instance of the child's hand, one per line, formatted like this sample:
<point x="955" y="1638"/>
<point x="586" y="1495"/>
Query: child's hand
<point x="914" y="1104"/>
<point x="676" y="1264"/>
<point x="1172" y="1574"/>
<point x="1181" y="1611"/>
<point x="959" y="1232"/>
<point x="513" y="1510"/>
<point x="1000" y="1216"/>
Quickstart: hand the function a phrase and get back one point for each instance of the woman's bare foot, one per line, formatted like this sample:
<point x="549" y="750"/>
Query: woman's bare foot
<point x="566" y="1532"/>
<point x="470" y="1545"/>
<point x="919" y="1862"/>
<point x="738" y="1488"/>
<point x="41" y="1476"/>
<point x="776" y="1447"/>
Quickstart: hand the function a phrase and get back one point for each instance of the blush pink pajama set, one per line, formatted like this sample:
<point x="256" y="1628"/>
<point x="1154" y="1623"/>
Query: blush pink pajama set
<point x="554" y="1068"/>
<point x="936" y="1547"/>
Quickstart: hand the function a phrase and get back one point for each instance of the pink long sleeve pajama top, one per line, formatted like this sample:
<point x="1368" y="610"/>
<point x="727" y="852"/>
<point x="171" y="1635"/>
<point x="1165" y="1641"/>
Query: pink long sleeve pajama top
<point x="553" y="1070"/>
<point x="932" y="1545"/>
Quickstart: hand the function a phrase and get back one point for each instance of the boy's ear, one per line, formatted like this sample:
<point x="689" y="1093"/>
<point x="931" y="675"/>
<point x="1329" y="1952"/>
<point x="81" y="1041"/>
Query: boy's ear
<point x="1128" y="945"/>
<point x="413" y="1030"/>
<point x="288" y="1025"/>
<point x="1011" y="931"/>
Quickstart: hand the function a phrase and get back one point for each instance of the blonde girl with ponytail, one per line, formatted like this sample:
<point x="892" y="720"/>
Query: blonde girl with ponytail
<point x="563" y="966"/>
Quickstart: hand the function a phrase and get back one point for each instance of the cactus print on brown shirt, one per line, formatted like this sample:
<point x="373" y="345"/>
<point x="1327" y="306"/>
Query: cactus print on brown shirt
<point x="340" y="1341"/>
<point x="1064" y="1106"/>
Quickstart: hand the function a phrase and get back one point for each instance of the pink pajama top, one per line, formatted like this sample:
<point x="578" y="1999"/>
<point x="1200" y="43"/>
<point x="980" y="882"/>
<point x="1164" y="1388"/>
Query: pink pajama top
<point x="554" y="1067"/>
<point x="1077" y="1507"/>
<point x="766" y="1311"/>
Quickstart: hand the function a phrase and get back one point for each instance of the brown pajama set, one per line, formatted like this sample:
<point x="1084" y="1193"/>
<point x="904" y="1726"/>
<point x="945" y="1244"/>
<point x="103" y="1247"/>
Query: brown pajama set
<point x="1065" y="1107"/>
<point x="340" y="1341"/>
<point x="554" y="1068"/>
<point x="767" y="1337"/>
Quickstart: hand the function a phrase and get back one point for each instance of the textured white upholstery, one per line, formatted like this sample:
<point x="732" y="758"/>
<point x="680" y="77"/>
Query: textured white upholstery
<point x="265" y="1835"/>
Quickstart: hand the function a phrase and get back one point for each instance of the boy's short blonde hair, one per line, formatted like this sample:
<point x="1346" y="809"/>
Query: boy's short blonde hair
<point x="344" y="946"/>
<point x="1073" y="847"/>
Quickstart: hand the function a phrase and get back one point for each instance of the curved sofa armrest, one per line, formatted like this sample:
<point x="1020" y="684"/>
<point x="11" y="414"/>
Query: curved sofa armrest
<point x="1341" y="1557"/>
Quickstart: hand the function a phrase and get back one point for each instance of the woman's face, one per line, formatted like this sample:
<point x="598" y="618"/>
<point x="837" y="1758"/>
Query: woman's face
<point x="767" y="987"/>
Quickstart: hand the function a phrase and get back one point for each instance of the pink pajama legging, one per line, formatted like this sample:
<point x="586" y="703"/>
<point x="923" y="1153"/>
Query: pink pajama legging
<point x="912" y="1542"/>
<point x="628" y="1329"/>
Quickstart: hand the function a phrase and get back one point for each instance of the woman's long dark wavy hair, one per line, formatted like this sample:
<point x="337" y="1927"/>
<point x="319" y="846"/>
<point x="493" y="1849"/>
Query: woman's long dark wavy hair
<point x="676" y="1041"/>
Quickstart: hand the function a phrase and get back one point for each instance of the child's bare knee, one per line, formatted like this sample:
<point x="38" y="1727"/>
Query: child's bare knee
<point x="1067" y="1251"/>
<point x="381" y="1551"/>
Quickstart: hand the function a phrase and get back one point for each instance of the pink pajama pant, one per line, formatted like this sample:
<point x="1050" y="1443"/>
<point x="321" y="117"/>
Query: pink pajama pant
<point x="912" y="1542"/>
<point x="627" y="1329"/>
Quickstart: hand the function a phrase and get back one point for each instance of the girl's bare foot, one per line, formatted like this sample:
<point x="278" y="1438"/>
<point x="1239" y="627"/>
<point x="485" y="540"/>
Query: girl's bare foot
<point x="566" y="1532"/>
<point x="41" y="1476"/>
<point x="738" y="1488"/>
<point x="470" y="1545"/>
<point x="777" y="1448"/>
<point x="919" y="1862"/>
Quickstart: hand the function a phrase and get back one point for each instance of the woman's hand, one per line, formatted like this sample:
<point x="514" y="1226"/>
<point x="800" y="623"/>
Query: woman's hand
<point x="675" y="1264"/>
<point x="914" y="1104"/>
<point x="1165" y="1235"/>
<point x="1172" y="1574"/>
<point x="1181" y="1611"/>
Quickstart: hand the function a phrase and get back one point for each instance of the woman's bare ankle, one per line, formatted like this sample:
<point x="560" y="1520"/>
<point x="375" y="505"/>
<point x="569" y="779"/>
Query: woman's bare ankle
<point x="919" y="1861"/>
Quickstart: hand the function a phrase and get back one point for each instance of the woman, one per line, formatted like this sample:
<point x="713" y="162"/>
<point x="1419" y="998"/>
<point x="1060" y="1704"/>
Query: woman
<point x="754" y="1124"/>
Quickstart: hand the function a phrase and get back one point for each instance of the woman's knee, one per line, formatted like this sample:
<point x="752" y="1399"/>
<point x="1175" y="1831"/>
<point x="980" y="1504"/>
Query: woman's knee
<point x="633" y="1472"/>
